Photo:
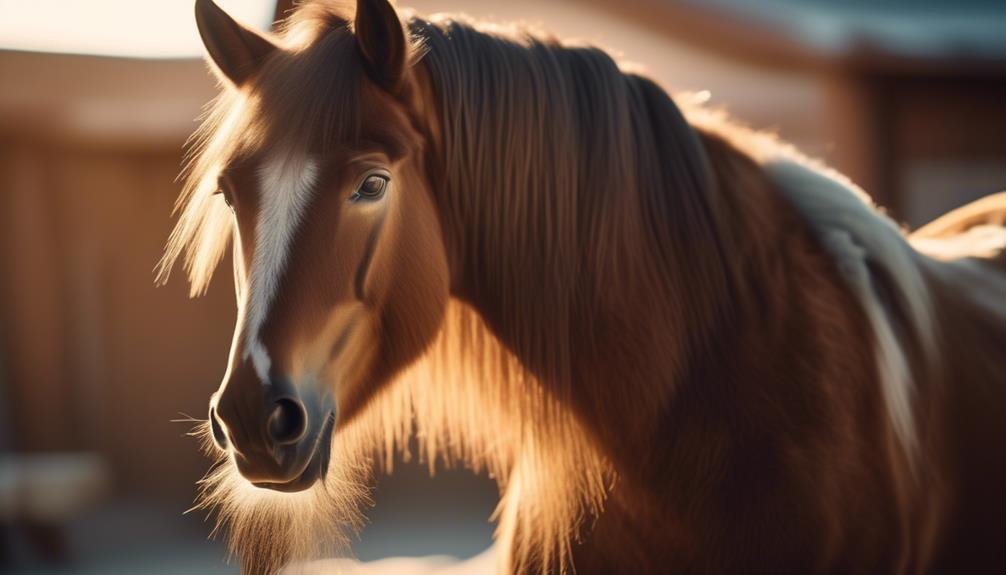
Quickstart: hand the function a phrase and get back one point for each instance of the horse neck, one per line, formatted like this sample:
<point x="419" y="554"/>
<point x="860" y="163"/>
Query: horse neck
<point x="625" y="305"/>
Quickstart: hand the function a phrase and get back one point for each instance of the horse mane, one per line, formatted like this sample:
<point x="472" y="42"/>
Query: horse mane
<point x="576" y="184"/>
<point x="586" y="180"/>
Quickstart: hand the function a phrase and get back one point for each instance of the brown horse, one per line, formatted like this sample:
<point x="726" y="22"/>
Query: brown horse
<point x="678" y="345"/>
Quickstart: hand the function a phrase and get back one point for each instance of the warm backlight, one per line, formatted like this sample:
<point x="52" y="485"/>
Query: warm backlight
<point x="130" y="28"/>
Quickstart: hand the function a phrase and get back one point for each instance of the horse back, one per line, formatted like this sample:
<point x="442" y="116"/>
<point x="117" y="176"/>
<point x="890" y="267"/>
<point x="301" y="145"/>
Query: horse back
<point x="964" y="262"/>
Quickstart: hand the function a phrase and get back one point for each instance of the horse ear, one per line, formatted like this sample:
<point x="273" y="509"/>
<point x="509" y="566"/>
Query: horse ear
<point x="382" y="41"/>
<point x="236" y="51"/>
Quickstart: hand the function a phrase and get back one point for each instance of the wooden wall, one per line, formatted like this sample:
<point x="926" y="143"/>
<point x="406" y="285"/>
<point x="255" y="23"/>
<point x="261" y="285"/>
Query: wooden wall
<point x="95" y="357"/>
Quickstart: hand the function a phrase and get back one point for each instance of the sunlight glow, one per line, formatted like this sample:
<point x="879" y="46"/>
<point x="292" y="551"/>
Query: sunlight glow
<point x="468" y="402"/>
<point x="129" y="28"/>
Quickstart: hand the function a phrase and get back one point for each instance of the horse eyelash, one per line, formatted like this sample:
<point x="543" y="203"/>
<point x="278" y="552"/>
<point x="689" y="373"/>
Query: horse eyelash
<point x="220" y="192"/>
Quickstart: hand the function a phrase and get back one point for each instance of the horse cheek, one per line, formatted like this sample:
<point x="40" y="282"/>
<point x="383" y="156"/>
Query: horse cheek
<point x="417" y="297"/>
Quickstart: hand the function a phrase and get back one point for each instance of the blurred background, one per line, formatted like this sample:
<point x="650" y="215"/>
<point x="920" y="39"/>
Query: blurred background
<point x="97" y="97"/>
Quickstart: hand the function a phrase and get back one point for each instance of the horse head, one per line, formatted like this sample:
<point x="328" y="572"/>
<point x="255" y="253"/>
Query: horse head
<point x="340" y="268"/>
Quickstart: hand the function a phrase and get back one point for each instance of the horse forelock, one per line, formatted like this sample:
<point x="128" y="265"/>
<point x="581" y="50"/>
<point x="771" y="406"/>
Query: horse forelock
<point x="305" y="99"/>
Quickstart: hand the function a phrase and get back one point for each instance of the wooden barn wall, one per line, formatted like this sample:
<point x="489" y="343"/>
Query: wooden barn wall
<point x="93" y="356"/>
<point x="96" y="356"/>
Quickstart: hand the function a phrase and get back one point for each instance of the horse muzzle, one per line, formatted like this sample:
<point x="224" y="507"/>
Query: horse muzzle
<point x="280" y="440"/>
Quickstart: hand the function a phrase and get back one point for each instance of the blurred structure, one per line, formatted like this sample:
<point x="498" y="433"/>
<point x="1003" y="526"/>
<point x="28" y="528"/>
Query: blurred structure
<point x="906" y="97"/>
<point x="911" y="91"/>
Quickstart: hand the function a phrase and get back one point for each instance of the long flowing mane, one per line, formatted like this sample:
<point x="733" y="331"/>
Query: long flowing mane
<point x="573" y="180"/>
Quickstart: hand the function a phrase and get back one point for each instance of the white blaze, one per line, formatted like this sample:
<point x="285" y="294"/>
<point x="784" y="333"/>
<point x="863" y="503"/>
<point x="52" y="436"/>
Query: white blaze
<point x="285" y="184"/>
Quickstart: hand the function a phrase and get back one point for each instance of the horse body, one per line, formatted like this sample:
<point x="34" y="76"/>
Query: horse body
<point x="778" y="453"/>
<point x="776" y="449"/>
<point x="969" y="410"/>
<point x="678" y="345"/>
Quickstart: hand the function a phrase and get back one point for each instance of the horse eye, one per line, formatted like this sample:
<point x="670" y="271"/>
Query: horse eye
<point x="372" y="188"/>
<point x="222" y="191"/>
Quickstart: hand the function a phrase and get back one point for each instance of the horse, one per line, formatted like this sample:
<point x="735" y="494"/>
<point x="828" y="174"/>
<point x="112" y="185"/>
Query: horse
<point x="676" y="343"/>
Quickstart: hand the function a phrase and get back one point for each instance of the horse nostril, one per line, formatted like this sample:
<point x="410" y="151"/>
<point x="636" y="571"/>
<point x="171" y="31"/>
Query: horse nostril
<point x="287" y="422"/>
<point x="219" y="437"/>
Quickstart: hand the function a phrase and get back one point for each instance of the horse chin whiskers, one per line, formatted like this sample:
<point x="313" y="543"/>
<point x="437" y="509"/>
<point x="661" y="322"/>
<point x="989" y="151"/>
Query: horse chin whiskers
<point x="266" y="529"/>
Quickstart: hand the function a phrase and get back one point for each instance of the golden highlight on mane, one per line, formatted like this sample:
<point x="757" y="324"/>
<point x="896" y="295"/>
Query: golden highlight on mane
<point x="205" y="224"/>
<point x="472" y="402"/>
<point x="468" y="402"/>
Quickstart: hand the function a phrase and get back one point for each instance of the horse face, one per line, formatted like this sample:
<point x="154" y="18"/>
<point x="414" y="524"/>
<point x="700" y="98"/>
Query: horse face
<point x="340" y="268"/>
